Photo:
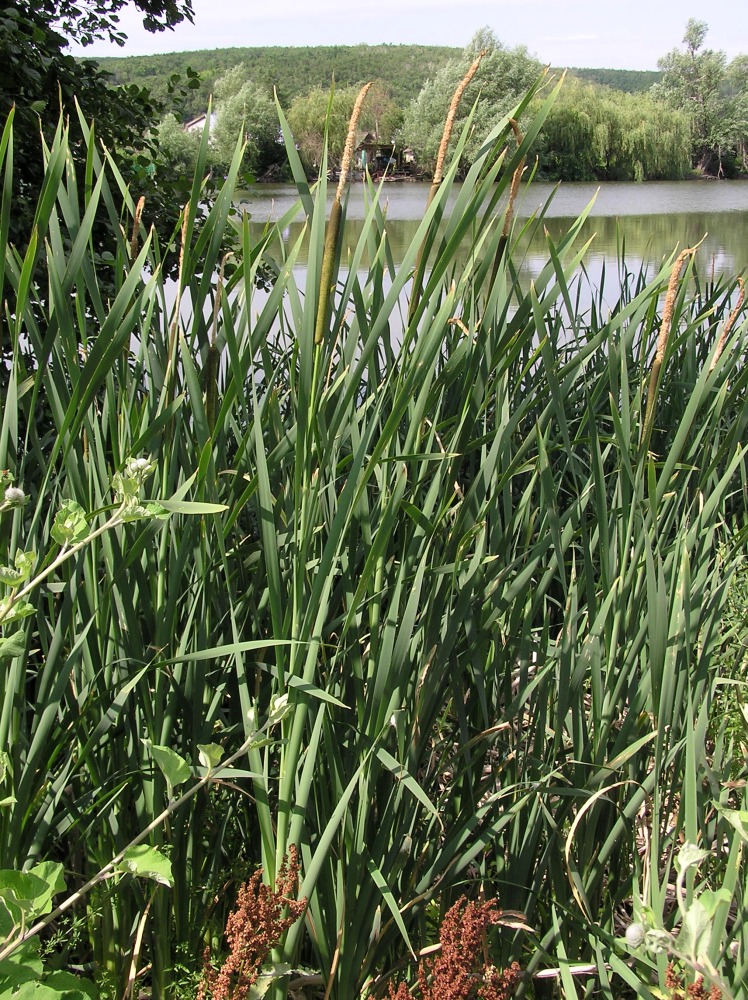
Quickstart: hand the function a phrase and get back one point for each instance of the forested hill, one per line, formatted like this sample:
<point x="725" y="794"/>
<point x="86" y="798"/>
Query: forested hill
<point x="631" y="81"/>
<point x="292" y="71"/>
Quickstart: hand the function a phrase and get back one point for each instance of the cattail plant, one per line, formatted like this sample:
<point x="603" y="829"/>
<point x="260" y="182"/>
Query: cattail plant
<point x="662" y="342"/>
<point x="509" y="211"/>
<point x="333" y="225"/>
<point x="214" y="355"/>
<point x="461" y="675"/>
<point x="729" y="323"/>
<point x="135" y="234"/>
<point x="439" y="171"/>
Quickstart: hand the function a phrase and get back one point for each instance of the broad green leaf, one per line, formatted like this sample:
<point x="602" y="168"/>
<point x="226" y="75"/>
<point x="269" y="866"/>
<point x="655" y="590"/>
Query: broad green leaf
<point x="125" y="487"/>
<point x="738" y="819"/>
<point x="689" y="856"/>
<point x="72" y="985"/>
<point x="52" y="874"/>
<point x="147" y="862"/>
<point x="134" y="511"/>
<point x="14" y="576"/>
<point x="710" y="899"/>
<point x="13" y="645"/>
<point x="43" y="991"/>
<point x="211" y="755"/>
<point x="29" y="893"/>
<point x="693" y="939"/>
<point x="268" y="975"/>
<point x="14" y="611"/>
<point x="175" y="769"/>
<point x="13" y="973"/>
<point x="70" y="525"/>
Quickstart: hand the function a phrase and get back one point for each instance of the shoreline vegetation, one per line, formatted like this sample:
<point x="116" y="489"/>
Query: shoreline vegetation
<point x="336" y="666"/>
<point x="690" y="118"/>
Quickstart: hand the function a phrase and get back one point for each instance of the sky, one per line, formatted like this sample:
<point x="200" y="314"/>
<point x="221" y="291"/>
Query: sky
<point x="617" y="34"/>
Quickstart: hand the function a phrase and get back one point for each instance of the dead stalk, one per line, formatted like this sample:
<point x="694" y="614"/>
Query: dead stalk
<point x="170" y="358"/>
<point x="516" y="178"/>
<point x="214" y="355"/>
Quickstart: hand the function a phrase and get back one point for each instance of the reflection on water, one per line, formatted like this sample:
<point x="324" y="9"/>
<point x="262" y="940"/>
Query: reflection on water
<point x="649" y="220"/>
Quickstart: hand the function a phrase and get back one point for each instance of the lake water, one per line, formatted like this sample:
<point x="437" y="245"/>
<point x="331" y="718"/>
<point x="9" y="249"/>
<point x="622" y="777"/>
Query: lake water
<point x="652" y="218"/>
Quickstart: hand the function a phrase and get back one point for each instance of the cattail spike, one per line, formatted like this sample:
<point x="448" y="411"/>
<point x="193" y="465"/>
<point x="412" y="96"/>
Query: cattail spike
<point x="136" y="227"/>
<point x="728" y="326"/>
<point x="333" y="225"/>
<point x="350" y="142"/>
<point x="452" y="114"/>
<point x="662" y="340"/>
<point x="439" y="171"/>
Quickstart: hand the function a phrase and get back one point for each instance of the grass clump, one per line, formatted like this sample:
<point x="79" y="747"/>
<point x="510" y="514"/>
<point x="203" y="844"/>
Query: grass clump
<point x="433" y="551"/>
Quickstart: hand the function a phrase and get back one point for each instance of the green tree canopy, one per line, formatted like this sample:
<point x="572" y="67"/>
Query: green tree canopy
<point x="242" y="107"/>
<point x="696" y="81"/>
<point x="178" y="147"/>
<point x="40" y="78"/>
<point x="504" y="76"/>
<point x="317" y="113"/>
<point x="86" y="20"/>
<point x="594" y="133"/>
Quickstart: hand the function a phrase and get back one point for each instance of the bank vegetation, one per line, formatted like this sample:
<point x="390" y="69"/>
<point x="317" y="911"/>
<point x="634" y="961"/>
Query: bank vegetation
<point x="380" y="635"/>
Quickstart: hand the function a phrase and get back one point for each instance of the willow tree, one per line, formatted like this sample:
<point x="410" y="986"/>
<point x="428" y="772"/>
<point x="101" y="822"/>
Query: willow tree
<point x="320" y="114"/>
<point x="504" y="75"/>
<point x="596" y="133"/>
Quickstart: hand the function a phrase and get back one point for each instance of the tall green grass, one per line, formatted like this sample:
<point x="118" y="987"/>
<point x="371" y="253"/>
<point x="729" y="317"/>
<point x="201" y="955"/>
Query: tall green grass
<point x="495" y="612"/>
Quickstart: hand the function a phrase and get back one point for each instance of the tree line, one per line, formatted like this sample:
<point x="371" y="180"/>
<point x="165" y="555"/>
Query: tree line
<point x="694" y="116"/>
<point x="290" y="72"/>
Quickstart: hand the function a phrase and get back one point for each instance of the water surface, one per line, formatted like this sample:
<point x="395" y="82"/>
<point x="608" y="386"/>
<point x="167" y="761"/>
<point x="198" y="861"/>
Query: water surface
<point x="649" y="220"/>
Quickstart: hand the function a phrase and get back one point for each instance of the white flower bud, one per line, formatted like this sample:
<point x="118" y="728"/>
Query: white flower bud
<point x="139" y="469"/>
<point x="635" y="934"/>
<point x="15" y="496"/>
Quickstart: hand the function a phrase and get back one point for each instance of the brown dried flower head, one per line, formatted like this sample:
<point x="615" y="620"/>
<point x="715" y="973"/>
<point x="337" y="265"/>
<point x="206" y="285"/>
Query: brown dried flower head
<point x="459" y="971"/>
<point x="253" y="928"/>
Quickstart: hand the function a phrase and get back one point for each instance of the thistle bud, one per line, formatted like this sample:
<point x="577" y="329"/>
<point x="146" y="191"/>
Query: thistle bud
<point x="14" y="496"/>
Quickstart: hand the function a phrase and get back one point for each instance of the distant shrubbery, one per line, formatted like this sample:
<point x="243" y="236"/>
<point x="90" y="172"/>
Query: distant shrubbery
<point x="607" y="125"/>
